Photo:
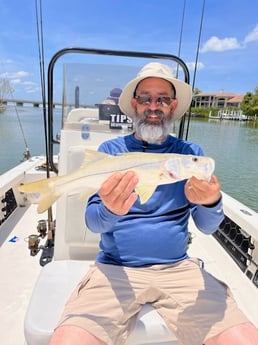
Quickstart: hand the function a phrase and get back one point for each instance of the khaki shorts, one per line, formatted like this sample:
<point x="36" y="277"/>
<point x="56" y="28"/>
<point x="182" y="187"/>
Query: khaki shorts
<point x="194" y="305"/>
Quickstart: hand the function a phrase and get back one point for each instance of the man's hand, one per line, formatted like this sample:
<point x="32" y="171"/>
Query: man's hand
<point x="203" y="192"/>
<point x="117" y="192"/>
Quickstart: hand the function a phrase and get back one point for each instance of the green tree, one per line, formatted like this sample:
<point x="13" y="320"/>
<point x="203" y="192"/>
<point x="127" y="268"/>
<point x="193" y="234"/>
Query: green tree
<point x="249" y="105"/>
<point x="196" y="91"/>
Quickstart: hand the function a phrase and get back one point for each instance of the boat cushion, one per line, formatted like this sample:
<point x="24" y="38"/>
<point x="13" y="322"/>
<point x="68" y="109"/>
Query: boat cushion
<point x="54" y="286"/>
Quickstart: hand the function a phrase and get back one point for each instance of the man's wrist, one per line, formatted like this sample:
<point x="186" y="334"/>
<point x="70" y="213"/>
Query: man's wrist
<point x="214" y="204"/>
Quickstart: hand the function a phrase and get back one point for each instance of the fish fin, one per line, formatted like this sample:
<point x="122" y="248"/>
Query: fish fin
<point x="39" y="186"/>
<point x="145" y="192"/>
<point x="47" y="200"/>
<point x="41" y="193"/>
<point x="92" y="156"/>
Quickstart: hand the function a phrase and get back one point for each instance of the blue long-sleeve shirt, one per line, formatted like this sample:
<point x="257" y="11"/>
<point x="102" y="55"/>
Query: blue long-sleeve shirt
<point x="155" y="232"/>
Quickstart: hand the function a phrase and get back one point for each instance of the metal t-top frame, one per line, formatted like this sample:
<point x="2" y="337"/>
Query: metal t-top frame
<point x="93" y="51"/>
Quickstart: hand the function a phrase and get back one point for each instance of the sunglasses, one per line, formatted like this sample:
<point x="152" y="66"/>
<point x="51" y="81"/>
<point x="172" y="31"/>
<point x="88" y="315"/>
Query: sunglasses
<point x="162" y="101"/>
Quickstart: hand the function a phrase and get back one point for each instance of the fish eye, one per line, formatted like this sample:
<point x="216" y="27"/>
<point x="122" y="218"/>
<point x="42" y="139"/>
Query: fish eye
<point x="195" y="159"/>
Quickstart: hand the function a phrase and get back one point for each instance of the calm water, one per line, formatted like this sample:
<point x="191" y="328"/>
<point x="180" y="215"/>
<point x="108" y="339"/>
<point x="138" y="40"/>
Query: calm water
<point x="233" y="145"/>
<point x="12" y="145"/>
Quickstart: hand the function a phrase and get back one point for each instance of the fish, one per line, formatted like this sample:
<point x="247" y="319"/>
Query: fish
<point x="152" y="169"/>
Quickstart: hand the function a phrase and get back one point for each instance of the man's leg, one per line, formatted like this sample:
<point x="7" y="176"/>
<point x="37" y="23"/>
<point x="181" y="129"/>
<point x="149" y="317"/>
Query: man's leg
<point x="67" y="335"/>
<point x="242" y="334"/>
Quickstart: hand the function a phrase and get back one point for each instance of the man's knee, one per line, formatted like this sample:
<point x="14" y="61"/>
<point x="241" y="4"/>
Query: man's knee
<point x="244" y="333"/>
<point x="67" y="335"/>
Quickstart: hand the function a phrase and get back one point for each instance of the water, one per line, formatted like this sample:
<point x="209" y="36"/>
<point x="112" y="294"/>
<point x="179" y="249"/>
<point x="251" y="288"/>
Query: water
<point x="12" y="144"/>
<point x="233" y="145"/>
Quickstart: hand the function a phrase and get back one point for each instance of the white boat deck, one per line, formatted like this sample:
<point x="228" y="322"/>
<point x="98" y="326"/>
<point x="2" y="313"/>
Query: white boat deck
<point x="220" y="264"/>
<point x="19" y="272"/>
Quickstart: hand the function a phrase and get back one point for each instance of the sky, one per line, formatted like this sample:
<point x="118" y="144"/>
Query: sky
<point x="228" y="55"/>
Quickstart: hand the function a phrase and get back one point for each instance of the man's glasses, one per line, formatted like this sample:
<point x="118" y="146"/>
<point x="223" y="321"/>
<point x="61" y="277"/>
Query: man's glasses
<point x="161" y="101"/>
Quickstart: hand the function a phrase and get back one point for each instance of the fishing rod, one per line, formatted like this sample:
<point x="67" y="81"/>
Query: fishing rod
<point x="7" y="90"/>
<point x="48" y="248"/>
<point x="181" y="36"/>
<point x="182" y="121"/>
<point x="26" y="154"/>
<point x="196" y="65"/>
<point x="40" y="39"/>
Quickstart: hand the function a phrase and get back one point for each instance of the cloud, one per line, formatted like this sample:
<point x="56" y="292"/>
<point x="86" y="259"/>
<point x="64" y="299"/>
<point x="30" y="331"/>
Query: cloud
<point x="28" y="86"/>
<point x="16" y="81"/>
<point x="7" y="61"/>
<point x="29" y="83"/>
<point x="15" y="75"/>
<point x="252" y="36"/>
<point x="191" y="65"/>
<point x="216" y="44"/>
<point x="31" y="90"/>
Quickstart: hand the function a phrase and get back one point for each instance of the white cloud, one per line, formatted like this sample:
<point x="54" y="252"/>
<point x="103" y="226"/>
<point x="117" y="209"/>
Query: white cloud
<point x="218" y="45"/>
<point x="30" y="87"/>
<point x="15" y="75"/>
<point x="29" y="83"/>
<point x="16" y="81"/>
<point x="28" y="90"/>
<point x="4" y="62"/>
<point x="252" y="36"/>
<point x="191" y="65"/>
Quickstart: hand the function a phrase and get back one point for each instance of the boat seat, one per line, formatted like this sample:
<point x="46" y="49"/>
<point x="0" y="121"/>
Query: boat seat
<point x="75" y="249"/>
<point x="54" y="285"/>
<point x="82" y="114"/>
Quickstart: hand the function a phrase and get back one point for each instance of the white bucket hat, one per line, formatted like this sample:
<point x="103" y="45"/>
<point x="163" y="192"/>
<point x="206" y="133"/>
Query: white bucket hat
<point x="158" y="70"/>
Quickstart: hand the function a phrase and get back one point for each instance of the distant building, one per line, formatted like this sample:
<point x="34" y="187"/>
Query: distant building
<point x="217" y="100"/>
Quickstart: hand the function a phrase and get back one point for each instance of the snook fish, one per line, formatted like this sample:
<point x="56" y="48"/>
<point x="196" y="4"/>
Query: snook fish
<point x="153" y="169"/>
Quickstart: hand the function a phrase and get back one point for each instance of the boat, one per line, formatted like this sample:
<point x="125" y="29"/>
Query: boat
<point x="226" y="114"/>
<point x="43" y="256"/>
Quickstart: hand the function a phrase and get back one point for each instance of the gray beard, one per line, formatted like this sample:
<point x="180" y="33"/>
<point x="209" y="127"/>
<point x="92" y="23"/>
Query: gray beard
<point x="153" y="133"/>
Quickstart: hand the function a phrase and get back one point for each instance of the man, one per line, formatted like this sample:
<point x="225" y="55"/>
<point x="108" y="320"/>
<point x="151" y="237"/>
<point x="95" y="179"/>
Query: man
<point x="143" y="249"/>
<point x="113" y="97"/>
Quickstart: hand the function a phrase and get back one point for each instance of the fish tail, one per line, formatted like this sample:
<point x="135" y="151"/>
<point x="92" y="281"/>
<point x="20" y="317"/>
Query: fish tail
<point x="46" y="201"/>
<point x="41" y="192"/>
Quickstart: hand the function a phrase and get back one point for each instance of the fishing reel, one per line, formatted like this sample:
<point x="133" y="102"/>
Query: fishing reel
<point x="34" y="242"/>
<point x="42" y="228"/>
<point x="26" y="154"/>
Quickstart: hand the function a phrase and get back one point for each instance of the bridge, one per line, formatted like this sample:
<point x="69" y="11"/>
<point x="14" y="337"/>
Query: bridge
<point x="26" y="102"/>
